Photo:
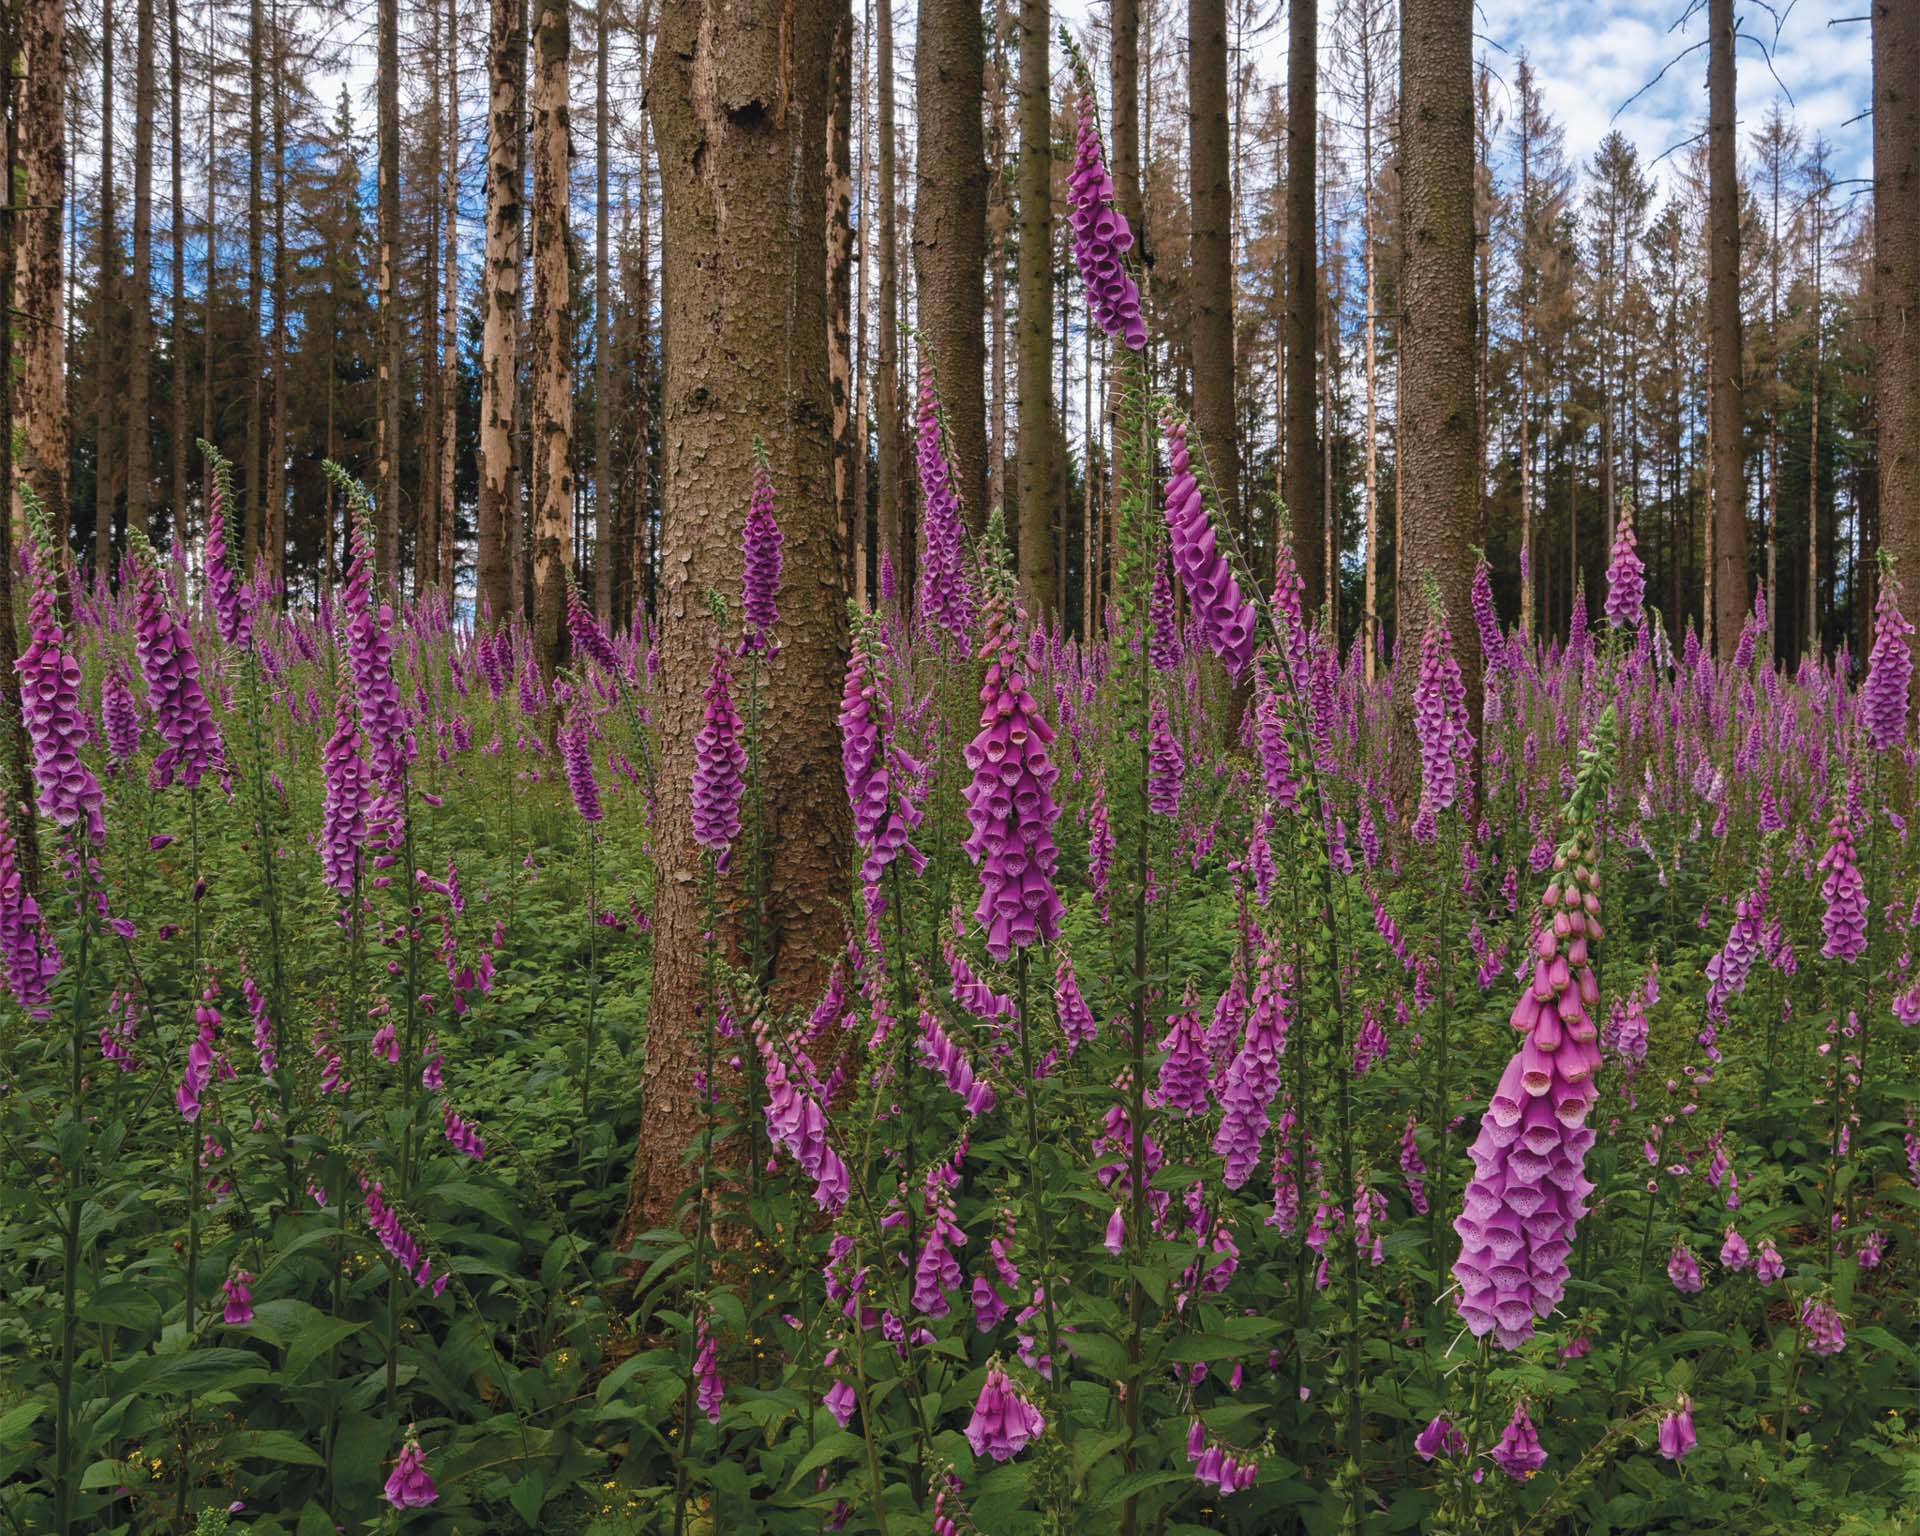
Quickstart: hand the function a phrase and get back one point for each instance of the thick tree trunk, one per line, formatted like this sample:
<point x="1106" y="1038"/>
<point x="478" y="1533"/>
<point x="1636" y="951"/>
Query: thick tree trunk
<point x="891" y="516"/>
<point x="643" y="517"/>
<point x="1124" y="149"/>
<point x="950" y="232"/>
<point x="450" y="317"/>
<point x="39" y="293"/>
<point x="738" y="111"/>
<point x="500" y="304"/>
<point x="1725" y="401"/>
<point x="1211" y="331"/>
<point x="1896" y="282"/>
<point x="552" y="428"/>
<point x="1300" y="472"/>
<point x="253" y="465"/>
<point x="839" y="148"/>
<point x="273" y="531"/>
<point x="107" y="406"/>
<point x="140" y="297"/>
<point x="386" y="506"/>
<point x="177" y="303"/>
<point x="858" y="552"/>
<point x="1438" y="411"/>
<point x="1039" y="506"/>
<point x="606" y="522"/>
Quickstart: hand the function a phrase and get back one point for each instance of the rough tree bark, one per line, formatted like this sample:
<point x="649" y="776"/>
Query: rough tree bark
<point x="950" y="231"/>
<point x="1300" y="466"/>
<point x="552" y="425"/>
<point x="39" y="288"/>
<point x="106" y="404"/>
<point x="1211" y="329"/>
<point x="500" y="301"/>
<point x="738" y="111"/>
<point x="857" y="553"/>
<point x="1034" y="372"/>
<point x="450" y="314"/>
<point x="1726" y="406"/>
<point x="839" y="147"/>
<point x="177" y="301"/>
<point x="890" y="516"/>
<point x="254" y="502"/>
<point x="140" y="297"/>
<point x="1896" y="282"/>
<point x="1124" y="62"/>
<point x="606" y="530"/>
<point x="1438" y="397"/>
<point x="386" y="506"/>
<point x="273" y="530"/>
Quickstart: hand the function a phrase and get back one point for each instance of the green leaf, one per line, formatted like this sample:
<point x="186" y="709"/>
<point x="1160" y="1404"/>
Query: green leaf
<point x="314" y="1340"/>
<point x="527" y="1497"/>
<point x="840" y="1443"/>
<point x="268" y="1445"/>
<point x="315" y="1521"/>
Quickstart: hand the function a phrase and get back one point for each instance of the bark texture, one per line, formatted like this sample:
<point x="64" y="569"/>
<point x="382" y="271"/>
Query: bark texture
<point x="890" y="519"/>
<point x="500" y="301"/>
<point x="1212" y="276"/>
<point x="552" y="421"/>
<point x="950" y="231"/>
<point x="1300" y="467"/>
<point x="1438" y="398"/>
<point x="839" y="147"/>
<point x="1896" y="282"/>
<point x="140" y="298"/>
<point x="386" y="506"/>
<point x="1725" y="396"/>
<point x="40" y="407"/>
<point x="1039" y="508"/>
<point x="739" y="104"/>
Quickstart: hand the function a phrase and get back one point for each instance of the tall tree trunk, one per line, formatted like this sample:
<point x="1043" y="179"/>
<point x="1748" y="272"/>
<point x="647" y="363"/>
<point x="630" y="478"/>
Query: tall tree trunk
<point x="1817" y="244"/>
<point x="552" y="423"/>
<point x="1211" y="331"/>
<point x="738" y="109"/>
<point x="39" y="293"/>
<point x="1039" y="506"/>
<point x="839" y="151"/>
<point x="606" y="530"/>
<point x="107" y="404"/>
<point x="1369" y="89"/>
<point x="177" y="304"/>
<point x="1725" y="404"/>
<point x="273" y="530"/>
<point x="950" y="232"/>
<point x="1436" y="448"/>
<point x="1124" y="64"/>
<point x="23" y="37"/>
<point x="858" y="552"/>
<point x="141" y="300"/>
<point x="643" y="511"/>
<point x="500" y="306"/>
<point x="1523" y="284"/>
<point x="1896" y="281"/>
<point x="386" y="507"/>
<point x="255" y="500"/>
<point x="444" y="517"/>
<point x="891" y="516"/>
<point x="1300" y="472"/>
<point x="426" y="498"/>
<point x="210" y="282"/>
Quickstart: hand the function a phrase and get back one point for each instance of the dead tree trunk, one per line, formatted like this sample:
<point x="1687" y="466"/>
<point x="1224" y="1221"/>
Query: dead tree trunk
<point x="500" y="309"/>
<point x="1300" y="474"/>
<point x="1039" y="507"/>
<point x="552" y="423"/>
<point x="1726" y="404"/>
<point x="1896" y="280"/>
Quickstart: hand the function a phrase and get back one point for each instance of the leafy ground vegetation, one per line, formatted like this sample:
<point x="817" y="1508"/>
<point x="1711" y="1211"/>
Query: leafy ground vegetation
<point x="1250" y="1098"/>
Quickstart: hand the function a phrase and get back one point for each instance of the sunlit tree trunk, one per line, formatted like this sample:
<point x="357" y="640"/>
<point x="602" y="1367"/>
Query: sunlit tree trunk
<point x="107" y="405"/>
<point x="450" y="315"/>
<point x="839" y="153"/>
<point x="738" y="110"/>
<point x="39" y="294"/>
<point x="1039" y="505"/>
<point x="1725" y="396"/>
<point x="177" y="304"/>
<point x="500" y="310"/>
<point x="606" y="530"/>
<point x="552" y="422"/>
<point x="386" y="507"/>
<point x="886" y="373"/>
<point x="1300" y="465"/>
<point x="140" y="296"/>
<point x="858" y="554"/>
<point x="1211" y="331"/>
<point x="253" y="465"/>
<point x="1896" y="282"/>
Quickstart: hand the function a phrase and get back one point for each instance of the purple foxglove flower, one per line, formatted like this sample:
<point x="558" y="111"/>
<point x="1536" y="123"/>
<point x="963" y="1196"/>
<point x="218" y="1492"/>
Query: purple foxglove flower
<point x="1727" y="971"/>
<point x="236" y="1288"/>
<point x="1872" y="1250"/>
<point x="1163" y="645"/>
<point x="883" y="818"/>
<point x="709" y="1391"/>
<point x="369" y="645"/>
<point x="841" y="1400"/>
<point x="347" y="799"/>
<point x="939" y="1053"/>
<point x="760" y="566"/>
<point x="1183" y="1073"/>
<point x="946" y="588"/>
<point x="462" y="1133"/>
<point x="1883" y="697"/>
<point x="1164" y="765"/>
<point x="1101" y="845"/>
<point x="410" y="1485"/>
<point x="576" y="757"/>
<point x="1101" y="237"/>
<point x="1003" y="1420"/>
<point x="28" y="952"/>
<point x="936" y="1272"/>
<point x="719" y="761"/>
<point x="1626" y="573"/>
<point x="1077" y="1022"/>
<point x="1439" y="1438"/>
<point x="1845" y="893"/>
<point x="1116" y="1236"/>
<point x="583" y="631"/>
<point x="119" y="718"/>
<point x="1826" y="1336"/>
<point x="797" y="1120"/>
<point x="1224" y="619"/>
<point x="1414" y="1167"/>
<point x="1683" y="1269"/>
<point x="1253" y="1076"/>
<point x="1733" y="1251"/>
<point x="1439" y="715"/>
<point x="1518" y="1453"/>
<point x="1010" y="802"/>
<point x="1769" y="1266"/>
<point x="231" y="599"/>
<point x="1276" y="755"/>
<point x="1676" y="1431"/>
<point x="50" y="703"/>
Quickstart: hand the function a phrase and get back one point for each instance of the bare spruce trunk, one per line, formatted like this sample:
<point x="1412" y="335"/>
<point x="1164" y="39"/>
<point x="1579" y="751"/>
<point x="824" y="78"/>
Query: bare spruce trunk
<point x="950" y="232"/>
<point x="1896" y="280"/>
<point x="1726" y="402"/>
<point x="1438" y="405"/>
<point x="140" y="297"/>
<point x="39" y="296"/>
<point x="552" y="421"/>
<point x="858" y="552"/>
<point x="1124" y="148"/>
<point x="253" y="466"/>
<point x="107" y="405"/>
<point x="606" y="530"/>
<point x="500" y="310"/>
<point x="1039" y="507"/>
<point x="891" y="515"/>
<point x="450" y="315"/>
<point x="386" y="507"/>
<point x="839" y="150"/>
<point x="177" y="303"/>
<point x="1212" y="283"/>
<point x="738" y="111"/>
<point x="274" y="521"/>
<point x="1300" y="473"/>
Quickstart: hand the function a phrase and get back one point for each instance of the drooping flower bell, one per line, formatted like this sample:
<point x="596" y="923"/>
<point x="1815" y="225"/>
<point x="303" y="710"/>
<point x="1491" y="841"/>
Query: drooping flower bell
<point x="49" y="675"/>
<point x="719" y="766"/>
<point x="1529" y="1187"/>
<point x="760" y="565"/>
<point x="1676" y="1431"/>
<point x="1224" y="619"/>
<point x="28" y="952"/>
<point x="1010" y="802"/>
<point x="1440" y="1438"/>
<point x="576" y="758"/>
<point x="1518" y="1453"/>
<point x="230" y="597"/>
<point x="1883" y="697"/>
<point x="410" y="1485"/>
<point x="1101" y="236"/>
<point x="1626" y="572"/>
<point x="238" y="1293"/>
<point x="884" y="817"/>
<point x="946" y="586"/>
<point x="1003" y="1420"/>
<point x="1844" y="890"/>
<point x="1439" y="717"/>
<point x="181" y="715"/>
<point x="1253" y="1076"/>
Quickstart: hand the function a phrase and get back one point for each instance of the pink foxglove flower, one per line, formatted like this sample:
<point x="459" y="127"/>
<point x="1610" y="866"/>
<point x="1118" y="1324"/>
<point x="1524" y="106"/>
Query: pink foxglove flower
<point x="1769" y="1266"/>
<point x="719" y="763"/>
<point x="576" y="758"/>
<point x="946" y="587"/>
<point x="1101" y="237"/>
<point x="1439" y="1438"/>
<point x="1826" y="1335"/>
<point x="1003" y="1420"/>
<point x="1883" y="697"/>
<point x="1253" y="1076"/>
<point x="57" y="728"/>
<point x="875" y="769"/>
<point x="1518" y="1453"/>
<point x="1845" y="893"/>
<point x="1734" y="1254"/>
<point x="1626" y="573"/>
<point x="238" y="1293"/>
<point x="28" y="952"/>
<point x="1683" y="1270"/>
<point x="1676" y="1431"/>
<point x="760" y="566"/>
<point x="1224" y="619"/>
<point x="410" y="1485"/>
<point x="1183" y="1072"/>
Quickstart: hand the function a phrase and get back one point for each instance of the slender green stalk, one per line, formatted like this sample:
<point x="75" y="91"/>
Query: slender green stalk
<point x="65" y="1488"/>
